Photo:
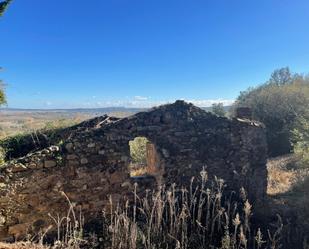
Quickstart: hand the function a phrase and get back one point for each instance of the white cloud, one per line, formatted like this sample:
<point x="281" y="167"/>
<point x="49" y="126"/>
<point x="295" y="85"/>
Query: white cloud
<point x="140" y="98"/>
<point x="209" y="102"/>
<point x="133" y="102"/>
<point x="143" y="102"/>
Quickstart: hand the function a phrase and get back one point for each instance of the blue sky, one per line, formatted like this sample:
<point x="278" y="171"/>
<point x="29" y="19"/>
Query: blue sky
<point x="73" y="53"/>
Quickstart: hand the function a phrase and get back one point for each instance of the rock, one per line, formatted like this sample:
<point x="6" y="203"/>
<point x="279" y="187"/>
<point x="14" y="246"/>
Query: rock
<point x="84" y="161"/>
<point x="18" y="167"/>
<point x="91" y="145"/>
<point x="117" y="177"/>
<point x="101" y="152"/>
<point x="54" y="148"/>
<point x="45" y="151"/>
<point x="69" y="147"/>
<point x="72" y="157"/>
<point x="125" y="158"/>
<point x="179" y="134"/>
<point x="2" y="179"/>
<point x="32" y="166"/>
<point x="73" y="163"/>
<point x="18" y="231"/>
<point x="50" y="163"/>
<point x="2" y="220"/>
<point x="126" y="184"/>
<point x="157" y="119"/>
<point x="165" y="153"/>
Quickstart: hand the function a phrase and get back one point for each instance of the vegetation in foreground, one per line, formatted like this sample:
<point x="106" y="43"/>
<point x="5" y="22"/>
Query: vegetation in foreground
<point x="202" y="216"/>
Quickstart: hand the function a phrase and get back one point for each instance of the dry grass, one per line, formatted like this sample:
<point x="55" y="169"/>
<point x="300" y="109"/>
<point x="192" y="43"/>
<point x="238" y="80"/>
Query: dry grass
<point x="288" y="185"/>
<point x="137" y="170"/>
<point x="202" y="216"/>
<point x="23" y="245"/>
<point x="13" y="123"/>
<point x="141" y="171"/>
<point x="17" y="122"/>
<point x="284" y="174"/>
<point x="280" y="181"/>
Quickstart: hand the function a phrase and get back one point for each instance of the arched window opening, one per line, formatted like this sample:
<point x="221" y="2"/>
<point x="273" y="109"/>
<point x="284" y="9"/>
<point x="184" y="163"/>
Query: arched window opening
<point x="144" y="158"/>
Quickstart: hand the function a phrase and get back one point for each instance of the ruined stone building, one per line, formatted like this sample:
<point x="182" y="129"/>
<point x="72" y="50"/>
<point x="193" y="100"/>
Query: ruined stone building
<point x="92" y="162"/>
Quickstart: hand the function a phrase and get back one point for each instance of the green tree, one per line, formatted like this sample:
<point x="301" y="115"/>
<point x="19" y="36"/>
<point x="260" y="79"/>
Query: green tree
<point x="138" y="150"/>
<point x="301" y="140"/>
<point x="3" y="6"/>
<point x="2" y="94"/>
<point x="218" y="109"/>
<point x="278" y="103"/>
<point x="281" y="76"/>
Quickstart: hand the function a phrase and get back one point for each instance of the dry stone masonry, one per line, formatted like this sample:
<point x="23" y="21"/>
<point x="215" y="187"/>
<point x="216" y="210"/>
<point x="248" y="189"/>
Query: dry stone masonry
<point x="92" y="163"/>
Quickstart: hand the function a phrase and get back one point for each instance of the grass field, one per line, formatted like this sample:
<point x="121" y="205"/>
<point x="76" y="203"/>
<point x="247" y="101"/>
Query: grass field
<point x="14" y="122"/>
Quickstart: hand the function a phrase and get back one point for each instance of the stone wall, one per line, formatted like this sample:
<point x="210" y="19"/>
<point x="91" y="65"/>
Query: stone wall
<point x="92" y="164"/>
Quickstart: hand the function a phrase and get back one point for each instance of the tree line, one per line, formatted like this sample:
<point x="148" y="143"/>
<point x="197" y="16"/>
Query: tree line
<point x="282" y="104"/>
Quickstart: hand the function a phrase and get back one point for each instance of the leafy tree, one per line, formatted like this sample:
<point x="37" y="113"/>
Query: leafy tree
<point x="2" y="156"/>
<point x="301" y="140"/>
<point x="138" y="150"/>
<point x="2" y="94"/>
<point x="3" y="6"/>
<point x="278" y="103"/>
<point x="218" y="109"/>
<point x="282" y="76"/>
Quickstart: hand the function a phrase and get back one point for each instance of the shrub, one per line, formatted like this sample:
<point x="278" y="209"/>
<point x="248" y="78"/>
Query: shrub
<point x="278" y="103"/>
<point x="2" y="94"/>
<point x="21" y="144"/>
<point x="2" y="156"/>
<point x="138" y="150"/>
<point x="301" y="141"/>
<point x="218" y="109"/>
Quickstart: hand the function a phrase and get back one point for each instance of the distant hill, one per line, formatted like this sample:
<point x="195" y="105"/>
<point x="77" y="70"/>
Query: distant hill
<point x="103" y="110"/>
<point x="17" y="120"/>
<point x="77" y="110"/>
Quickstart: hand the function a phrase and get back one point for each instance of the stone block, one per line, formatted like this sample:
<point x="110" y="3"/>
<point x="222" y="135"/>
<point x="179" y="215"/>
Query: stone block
<point x="101" y="152"/>
<point x="50" y="163"/>
<point x="18" y="167"/>
<point x="19" y="230"/>
<point x="72" y="156"/>
<point x="54" y="148"/>
<point x="69" y="147"/>
<point x="2" y="220"/>
<point x="117" y="177"/>
<point x="91" y="145"/>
